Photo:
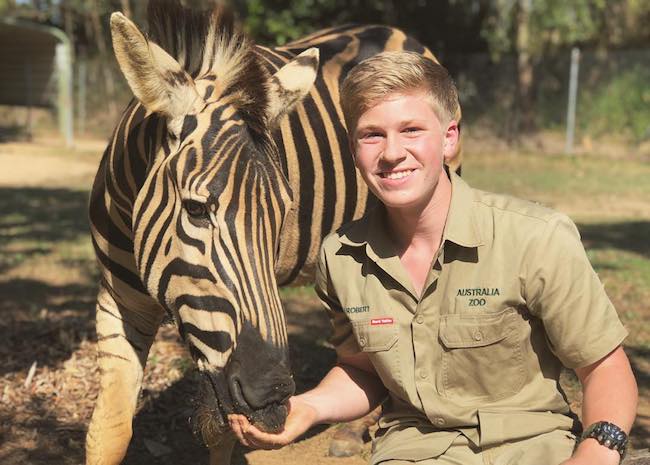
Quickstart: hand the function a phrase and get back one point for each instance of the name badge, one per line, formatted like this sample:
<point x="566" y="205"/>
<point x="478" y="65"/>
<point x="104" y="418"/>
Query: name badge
<point x="381" y="321"/>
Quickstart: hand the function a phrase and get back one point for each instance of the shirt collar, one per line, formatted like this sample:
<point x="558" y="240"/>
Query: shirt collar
<point x="460" y="229"/>
<point x="371" y="232"/>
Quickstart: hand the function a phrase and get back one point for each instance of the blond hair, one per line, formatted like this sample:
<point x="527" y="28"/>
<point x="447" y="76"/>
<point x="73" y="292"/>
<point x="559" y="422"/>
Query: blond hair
<point x="397" y="72"/>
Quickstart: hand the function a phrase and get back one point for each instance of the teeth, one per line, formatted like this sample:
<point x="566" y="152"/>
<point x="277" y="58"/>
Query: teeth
<point x="397" y="174"/>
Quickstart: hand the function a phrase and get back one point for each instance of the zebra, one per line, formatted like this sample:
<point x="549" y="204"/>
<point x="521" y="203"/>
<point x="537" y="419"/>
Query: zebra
<point x="219" y="181"/>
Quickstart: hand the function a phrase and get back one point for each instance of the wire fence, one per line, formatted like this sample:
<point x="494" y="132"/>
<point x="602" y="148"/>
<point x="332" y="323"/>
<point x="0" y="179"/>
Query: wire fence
<point x="613" y="95"/>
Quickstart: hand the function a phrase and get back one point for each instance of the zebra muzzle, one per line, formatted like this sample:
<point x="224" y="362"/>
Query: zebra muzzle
<point x="209" y="420"/>
<point x="239" y="401"/>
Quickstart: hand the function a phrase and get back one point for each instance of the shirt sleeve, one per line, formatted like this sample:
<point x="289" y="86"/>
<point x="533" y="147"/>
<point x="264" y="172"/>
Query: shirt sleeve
<point x="342" y="337"/>
<point x="563" y="290"/>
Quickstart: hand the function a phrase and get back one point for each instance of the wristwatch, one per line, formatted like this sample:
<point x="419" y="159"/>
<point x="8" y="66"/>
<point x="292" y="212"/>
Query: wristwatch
<point x="608" y="435"/>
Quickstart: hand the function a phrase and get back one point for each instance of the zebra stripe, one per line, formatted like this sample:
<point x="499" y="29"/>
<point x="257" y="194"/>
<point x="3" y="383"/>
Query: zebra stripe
<point x="312" y="152"/>
<point x="203" y="214"/>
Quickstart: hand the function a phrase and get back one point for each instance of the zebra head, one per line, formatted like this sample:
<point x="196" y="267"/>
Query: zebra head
<point x="208" y="216"/>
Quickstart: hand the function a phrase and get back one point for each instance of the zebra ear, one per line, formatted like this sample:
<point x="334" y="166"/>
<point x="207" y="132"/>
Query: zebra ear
<point x="155" y="78"/>
<point x="290" y="84"/>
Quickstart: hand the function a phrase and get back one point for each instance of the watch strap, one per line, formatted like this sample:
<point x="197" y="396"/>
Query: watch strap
<point x="608" y="435"/>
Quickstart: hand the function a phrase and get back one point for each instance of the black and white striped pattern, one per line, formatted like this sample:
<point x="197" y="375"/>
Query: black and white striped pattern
<point x="204" y="215"/>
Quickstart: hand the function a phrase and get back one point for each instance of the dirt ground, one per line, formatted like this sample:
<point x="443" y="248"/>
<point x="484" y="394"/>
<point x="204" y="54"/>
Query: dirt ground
<point x="48" y="375"/>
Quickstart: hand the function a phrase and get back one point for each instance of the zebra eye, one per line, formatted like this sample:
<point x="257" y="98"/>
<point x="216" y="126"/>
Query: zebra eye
<point x="195" y="209"/>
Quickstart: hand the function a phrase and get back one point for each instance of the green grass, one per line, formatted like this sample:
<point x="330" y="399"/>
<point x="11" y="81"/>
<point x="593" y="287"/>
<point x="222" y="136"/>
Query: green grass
<point x="534" y="176"/>
<point x="296" y="292"/>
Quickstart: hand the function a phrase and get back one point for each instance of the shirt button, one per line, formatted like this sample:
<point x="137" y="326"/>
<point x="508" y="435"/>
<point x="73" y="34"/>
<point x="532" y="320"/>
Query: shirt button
<point x="478" y="335"/>
<point x="423" y="374"/>
<point x="440" y="421"/>
<point x="362" y="341"/>
<point x="419" y="319"/>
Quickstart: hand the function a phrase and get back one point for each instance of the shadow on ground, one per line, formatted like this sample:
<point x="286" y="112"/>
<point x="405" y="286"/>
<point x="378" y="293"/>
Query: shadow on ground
<point x="162" y="427"/>
<point x="51" y="442"/>
<point x="33" y="221"/>
<point x="630" y="236"/>
<point x="43" y="323"/>
<point x="14" y="132"/>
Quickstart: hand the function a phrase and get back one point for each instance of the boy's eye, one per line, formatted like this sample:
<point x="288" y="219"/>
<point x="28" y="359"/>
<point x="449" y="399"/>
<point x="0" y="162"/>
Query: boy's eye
<point x="411" y="129"/>
<point x="370" y="135"/>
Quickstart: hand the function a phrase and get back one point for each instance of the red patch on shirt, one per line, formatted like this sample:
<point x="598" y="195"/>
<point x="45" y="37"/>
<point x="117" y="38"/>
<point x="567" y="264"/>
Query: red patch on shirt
<point x="381" y="321"/>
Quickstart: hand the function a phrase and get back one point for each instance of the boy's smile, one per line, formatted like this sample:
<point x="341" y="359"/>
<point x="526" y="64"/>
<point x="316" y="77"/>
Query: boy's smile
<point x="396" y="174"/>
<point x="399" y="147"/>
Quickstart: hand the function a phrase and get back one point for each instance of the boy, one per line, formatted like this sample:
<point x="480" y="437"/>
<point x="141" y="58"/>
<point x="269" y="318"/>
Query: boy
<point x="456" y="308"/>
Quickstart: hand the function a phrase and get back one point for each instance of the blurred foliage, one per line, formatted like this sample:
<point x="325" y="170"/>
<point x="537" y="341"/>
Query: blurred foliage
<point x="460" y="25"/>
<point x="443" y="25"/>
<point x="452" y="29"/>
<point x="271" y="22"/>
<point x="552" y="24"/>
<point x="619" y="106"/>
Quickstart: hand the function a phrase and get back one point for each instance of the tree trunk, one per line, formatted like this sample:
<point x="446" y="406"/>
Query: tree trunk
<point x="525" y="74"/>
<point x="126" y="8"/>
<point x="100" y="41"/>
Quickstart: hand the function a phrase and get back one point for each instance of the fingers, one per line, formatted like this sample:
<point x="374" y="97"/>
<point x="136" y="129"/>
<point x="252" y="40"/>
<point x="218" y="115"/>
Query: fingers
<point x="249" y="436"/>
<point x="302" y="415"/>
<point x="267" y="440"/>
<point x="263" y="440"/>
<point x="239" y="425"/>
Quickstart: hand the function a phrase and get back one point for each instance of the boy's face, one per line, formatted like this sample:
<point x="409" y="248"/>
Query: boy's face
<point x="399" y="146"/>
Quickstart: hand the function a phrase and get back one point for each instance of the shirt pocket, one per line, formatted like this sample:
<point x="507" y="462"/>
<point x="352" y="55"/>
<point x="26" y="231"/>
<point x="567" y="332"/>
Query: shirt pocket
<point x="481" y="356"/>
<point x="380" y="342"/>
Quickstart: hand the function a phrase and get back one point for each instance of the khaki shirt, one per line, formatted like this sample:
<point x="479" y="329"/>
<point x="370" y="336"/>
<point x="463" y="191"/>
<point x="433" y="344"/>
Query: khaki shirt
<point x="510" y="298"/>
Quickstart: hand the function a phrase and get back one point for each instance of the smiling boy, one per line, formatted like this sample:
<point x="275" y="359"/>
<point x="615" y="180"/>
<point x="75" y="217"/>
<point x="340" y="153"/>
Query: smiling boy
<point x="472" y="302"/>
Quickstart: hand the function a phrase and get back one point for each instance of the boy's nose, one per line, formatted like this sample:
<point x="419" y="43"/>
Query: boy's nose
<point x="394" y="151"/>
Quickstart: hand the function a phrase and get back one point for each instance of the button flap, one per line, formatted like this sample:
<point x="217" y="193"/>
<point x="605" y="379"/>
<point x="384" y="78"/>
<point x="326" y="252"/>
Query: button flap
<point x="375" y="338"/>
<point x="458" y="331"/>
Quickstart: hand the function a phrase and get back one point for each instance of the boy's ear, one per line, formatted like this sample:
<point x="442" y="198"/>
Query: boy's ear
<point x="451" y="140"/>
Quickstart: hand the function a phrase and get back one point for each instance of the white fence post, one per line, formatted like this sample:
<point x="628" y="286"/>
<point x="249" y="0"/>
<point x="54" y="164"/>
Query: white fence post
<point x="65" y="103"/>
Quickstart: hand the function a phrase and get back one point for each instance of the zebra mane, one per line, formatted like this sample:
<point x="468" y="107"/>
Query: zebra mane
<point x="208" y="43"/>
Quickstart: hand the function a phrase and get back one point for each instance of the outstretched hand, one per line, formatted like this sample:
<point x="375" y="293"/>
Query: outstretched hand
<point x="301" y="417"/>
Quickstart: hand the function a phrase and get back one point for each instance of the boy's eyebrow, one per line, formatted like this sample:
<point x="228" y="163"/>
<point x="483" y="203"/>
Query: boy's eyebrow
<point x="374" y="127"/>
<point x="368" y="127"/>
<point x="412" y="121"/>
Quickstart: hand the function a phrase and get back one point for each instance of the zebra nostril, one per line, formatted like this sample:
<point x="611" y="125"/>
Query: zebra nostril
<point x="283" y="390"/>
<point x="237" y="394"/>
